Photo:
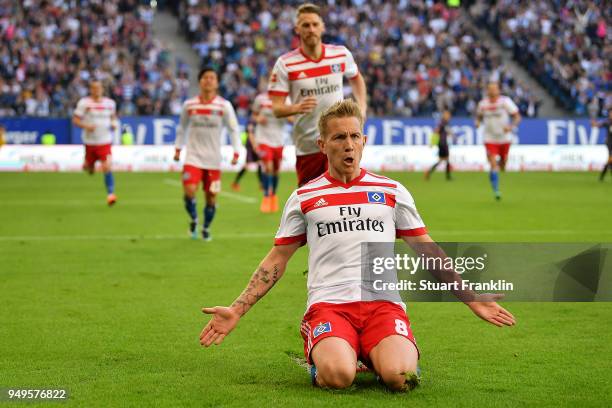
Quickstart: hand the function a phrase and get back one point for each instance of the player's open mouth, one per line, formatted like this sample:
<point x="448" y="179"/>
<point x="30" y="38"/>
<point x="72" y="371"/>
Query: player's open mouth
<point x="349" y="160"/>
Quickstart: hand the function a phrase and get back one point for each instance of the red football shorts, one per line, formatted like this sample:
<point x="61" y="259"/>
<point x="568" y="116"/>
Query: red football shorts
<point x="362" y="324"/>
<point x="271" y="154"/>
<point x="94" y="153"/>
<point x="310" y="166"/>
<point x="498" y="149"/>
<point x="211" y="178"/>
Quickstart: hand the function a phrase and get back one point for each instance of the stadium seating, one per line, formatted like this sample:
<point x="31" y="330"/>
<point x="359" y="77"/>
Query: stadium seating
<point x="563" y="44"/>
<point x="49" y="49"/>
<point x="416" y="58"/>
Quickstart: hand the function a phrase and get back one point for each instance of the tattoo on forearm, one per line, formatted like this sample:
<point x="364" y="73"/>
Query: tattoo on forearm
<point x="255" y="290"/>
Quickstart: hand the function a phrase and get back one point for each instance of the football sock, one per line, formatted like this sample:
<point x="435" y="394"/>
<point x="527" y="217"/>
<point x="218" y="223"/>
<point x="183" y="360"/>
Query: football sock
<point x="603" y="171"/>
<point x="109" y="181"/>
<point x="259" y="176"/>
<point x="239" y="175"/>
<point x="267" y="181"/>
<point x="433" y="168"/>
<point x="209" y="214"/>
<point x="448" y="170"/>
<point x="274" y="184"/>
<point x="494" y="178"/>
<point x="190" y="206"/>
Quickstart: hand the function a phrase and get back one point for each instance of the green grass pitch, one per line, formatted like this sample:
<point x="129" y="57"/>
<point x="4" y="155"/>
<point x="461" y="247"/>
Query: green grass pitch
<point x="106" y="302"/>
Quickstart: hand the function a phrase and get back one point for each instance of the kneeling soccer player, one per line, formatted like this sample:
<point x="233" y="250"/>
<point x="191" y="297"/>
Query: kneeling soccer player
<point x="338" y="327"/>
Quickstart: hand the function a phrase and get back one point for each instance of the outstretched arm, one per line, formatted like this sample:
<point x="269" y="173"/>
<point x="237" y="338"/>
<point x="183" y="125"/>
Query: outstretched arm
<point x="483" y="305"/>
<point x="224" y="319"/>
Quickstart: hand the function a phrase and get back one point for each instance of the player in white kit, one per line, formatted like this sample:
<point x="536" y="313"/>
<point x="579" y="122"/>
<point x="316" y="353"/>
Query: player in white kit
<point x="335" y="214"/>
<point x="201" y="128"/>
<point x="269" y="133"/>
<point x="97" y="116"/>
<point x="312" y="76"/>
<point x="495" y="112"/>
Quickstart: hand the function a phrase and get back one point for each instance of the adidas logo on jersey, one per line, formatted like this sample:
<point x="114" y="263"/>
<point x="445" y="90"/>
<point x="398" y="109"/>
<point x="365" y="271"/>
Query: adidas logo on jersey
<point x="320" y="203"/>
<point x="302" y="75"/>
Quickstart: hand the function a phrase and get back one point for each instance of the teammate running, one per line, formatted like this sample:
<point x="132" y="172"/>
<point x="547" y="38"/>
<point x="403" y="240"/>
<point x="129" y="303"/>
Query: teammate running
<point x="442" y="132"/>
<point x="269" y="132"/>
<point x="200" y="127"/>
<point x="607" y="123"/>
<point x="495" y="112"/>
<point x="335" y="214"/>
<point x="312" y="77"/>
<point x="97" y="116"/>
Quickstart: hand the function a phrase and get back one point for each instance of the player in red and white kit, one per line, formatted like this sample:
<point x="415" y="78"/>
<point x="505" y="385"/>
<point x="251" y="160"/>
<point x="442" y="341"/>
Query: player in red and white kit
<point x="97" y="116"/>
<point x="201" y="127"/>
<point x="269" y="133"/>
<point x="312" y="77"/>
<point x="495" y="112"/>
<point x="335" y="214"/>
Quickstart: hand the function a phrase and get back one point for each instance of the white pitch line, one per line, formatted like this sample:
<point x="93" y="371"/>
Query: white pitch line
<point x="250" y="235"/>
<point x="94" y="201"/>
<point x="235" y="196"/>
<point x="239" y="197"/>
<point x="128" y="237"/>
<point x="514" y="232"/>
<point x="172" y="182"/>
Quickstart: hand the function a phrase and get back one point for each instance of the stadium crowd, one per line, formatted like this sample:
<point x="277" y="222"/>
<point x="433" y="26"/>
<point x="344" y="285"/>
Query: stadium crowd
<point x="566" y="45"/>
<point x="49" y="49"/>
<point x="416" y="57"/>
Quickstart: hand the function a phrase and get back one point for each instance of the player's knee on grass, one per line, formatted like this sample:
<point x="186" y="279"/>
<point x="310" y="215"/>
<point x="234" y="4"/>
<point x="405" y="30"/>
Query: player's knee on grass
<point x="393" y="358"/>
<point x="395" y="377"/>
<point x="336" y="363"/>
<point x="335" y="374"/>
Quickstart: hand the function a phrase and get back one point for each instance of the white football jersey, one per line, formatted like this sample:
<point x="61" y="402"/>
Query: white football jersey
<point x="495" y="116"/>
<point x="99" y="113"/>
<point x="298" y="76"/>
<point x="335" y="219"/>
<point x="271" y="133"/>
<point x="201" y="128"/>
